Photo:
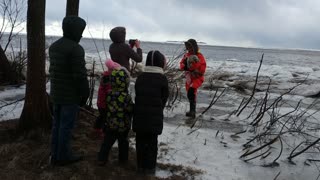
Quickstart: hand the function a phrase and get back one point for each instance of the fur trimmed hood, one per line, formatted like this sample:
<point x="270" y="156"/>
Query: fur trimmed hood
<point x="153" y="69"/>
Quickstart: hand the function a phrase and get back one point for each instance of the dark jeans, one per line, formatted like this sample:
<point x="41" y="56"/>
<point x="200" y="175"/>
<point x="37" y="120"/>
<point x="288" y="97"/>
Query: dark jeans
<point x="63" y="123"/>
<point x="147" y="150"/>
<point x="109" y="139"/>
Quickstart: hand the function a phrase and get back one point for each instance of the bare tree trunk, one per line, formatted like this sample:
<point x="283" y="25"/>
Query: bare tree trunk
<point x="72" y="8"/>
<point x="6" y="73"/>
<point x="36" y="113"/>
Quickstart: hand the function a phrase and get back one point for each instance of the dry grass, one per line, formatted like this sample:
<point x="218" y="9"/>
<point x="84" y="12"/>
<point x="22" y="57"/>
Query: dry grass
<point x="26" y="159"/>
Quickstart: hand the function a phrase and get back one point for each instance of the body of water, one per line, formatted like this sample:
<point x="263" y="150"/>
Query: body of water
<point x="305" y="58"/>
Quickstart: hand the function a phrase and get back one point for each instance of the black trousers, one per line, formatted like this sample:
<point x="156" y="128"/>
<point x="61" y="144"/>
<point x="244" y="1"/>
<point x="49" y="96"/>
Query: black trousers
<point x="191" y="95"/>
<point x="109" y="139"/>
<point x="147" y="150"/>
<point x="99" y="124"/>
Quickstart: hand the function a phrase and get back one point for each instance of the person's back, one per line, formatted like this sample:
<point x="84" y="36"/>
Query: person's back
<point x="121" y="52"/>
<point x="151" y="96"/>
<point x="69" y="88"/>
<point x="104" y="89"/>
<point x="118" y="121"/>
<point x="68" y="75"/>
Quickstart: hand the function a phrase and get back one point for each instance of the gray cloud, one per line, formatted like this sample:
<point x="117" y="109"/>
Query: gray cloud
<point x="263" y="23"/>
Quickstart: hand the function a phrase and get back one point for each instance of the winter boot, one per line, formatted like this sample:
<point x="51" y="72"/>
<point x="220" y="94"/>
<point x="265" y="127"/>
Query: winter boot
<point x="192" y="112"/>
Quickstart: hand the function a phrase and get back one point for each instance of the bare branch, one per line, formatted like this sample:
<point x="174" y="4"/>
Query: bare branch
<point x="254" y="87"/>
<point x="302" y="151"/>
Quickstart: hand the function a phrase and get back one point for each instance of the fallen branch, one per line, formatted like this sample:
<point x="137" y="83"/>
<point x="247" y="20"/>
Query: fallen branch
<point x="302" y="151"/>
<point x="254" y="87"/>
<point x="8" y="104"/>
<point x="275" y="178"/>
<point x="259" y="148"/>
<point x="213" y="101"/>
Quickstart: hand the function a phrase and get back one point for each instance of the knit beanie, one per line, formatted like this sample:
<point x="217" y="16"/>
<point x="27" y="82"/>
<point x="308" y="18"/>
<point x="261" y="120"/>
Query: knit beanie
<point x="155" y="58"/>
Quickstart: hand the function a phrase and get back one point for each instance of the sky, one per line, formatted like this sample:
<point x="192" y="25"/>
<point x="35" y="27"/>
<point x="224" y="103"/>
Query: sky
<point x="246" y="23"/>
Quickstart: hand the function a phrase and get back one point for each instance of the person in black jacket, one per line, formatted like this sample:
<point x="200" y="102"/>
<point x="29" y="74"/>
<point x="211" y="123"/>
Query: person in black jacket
<point x="151" y="96"/>
<point x="69" y="88"/>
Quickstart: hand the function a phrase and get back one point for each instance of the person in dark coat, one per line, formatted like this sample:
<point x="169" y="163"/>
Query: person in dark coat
<point x="121" y="52"/>
<point x="151" y="96"/>
<point x="119" y="114"/>
<point x="69" y="87"/>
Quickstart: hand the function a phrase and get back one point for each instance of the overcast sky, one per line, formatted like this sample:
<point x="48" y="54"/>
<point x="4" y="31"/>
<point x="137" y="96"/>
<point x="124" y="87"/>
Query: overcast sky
<point x="254" y="23"/>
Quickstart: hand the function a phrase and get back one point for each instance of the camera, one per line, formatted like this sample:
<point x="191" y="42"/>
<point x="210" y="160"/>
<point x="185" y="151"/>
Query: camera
<point x="132" y="42"/>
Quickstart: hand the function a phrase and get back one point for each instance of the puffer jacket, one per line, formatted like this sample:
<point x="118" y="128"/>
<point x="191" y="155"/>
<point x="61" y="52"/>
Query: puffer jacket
<point x="119" y="102"/>
<point x="151" y="96"/>
<point x="104" y="89"/>
<point x="121" y="52"/>
<point x="68" y="74"/>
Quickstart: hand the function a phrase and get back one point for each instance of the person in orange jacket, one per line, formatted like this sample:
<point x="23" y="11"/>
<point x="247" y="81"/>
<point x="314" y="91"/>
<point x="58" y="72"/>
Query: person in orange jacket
<point x="194" y="65"/>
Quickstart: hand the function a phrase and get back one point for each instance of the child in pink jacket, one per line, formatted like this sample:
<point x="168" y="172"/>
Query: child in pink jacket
<point x="104" y="89"/>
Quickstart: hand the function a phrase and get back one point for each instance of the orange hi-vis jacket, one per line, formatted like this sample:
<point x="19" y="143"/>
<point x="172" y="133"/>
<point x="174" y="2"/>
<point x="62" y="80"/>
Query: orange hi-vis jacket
<point x="195" y="73"/>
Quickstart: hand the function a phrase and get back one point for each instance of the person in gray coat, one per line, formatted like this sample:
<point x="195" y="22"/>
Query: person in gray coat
<point x="121" y="52"/>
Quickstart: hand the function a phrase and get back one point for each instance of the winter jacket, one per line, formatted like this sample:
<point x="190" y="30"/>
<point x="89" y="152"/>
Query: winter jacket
<point x="195" y="67"/>
<point x="68" y="74"/>
<point x="119" y="103"/>
<point x="151" y="96"/>
<point x="121" y="52"/>
<point x="105" y="85"/>
<point x="104" y="89"/>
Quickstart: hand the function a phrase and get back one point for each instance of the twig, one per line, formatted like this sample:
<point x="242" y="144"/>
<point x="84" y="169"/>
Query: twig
<point x="280" y="150"/>
<point x="259" y="148"/>
<point x="241" y="132"/>
<point x="275" y="178"/>
<point x="95" y="44"/>
<point x="213" y="101"/>
<point x="302" y="151"/>
<point x="8" y="104"/>
<point x="314" y="160"/>
<point x="267" y="151"/>
<point x="254" y="87"/>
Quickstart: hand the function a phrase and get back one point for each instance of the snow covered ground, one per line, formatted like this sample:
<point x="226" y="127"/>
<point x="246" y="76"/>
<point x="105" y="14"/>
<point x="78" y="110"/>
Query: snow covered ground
<point x="214" y="148"/>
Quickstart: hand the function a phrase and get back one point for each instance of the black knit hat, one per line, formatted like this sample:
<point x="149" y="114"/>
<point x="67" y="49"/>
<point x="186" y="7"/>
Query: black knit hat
<point x="191" y="43"/>
<point x="155" y="58"/>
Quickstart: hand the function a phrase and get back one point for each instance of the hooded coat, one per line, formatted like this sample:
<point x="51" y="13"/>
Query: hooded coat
<point x="121" y="52"/>
<point x="119" y="102"/>
<point x="151" y="96"/>
<point x="195" y="66"/>
<point x="68" y="74"/>
<point x="105" y="85"/>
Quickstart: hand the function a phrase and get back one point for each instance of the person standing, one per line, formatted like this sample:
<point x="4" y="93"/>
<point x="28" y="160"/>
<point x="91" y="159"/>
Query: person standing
<point x="151" y="96"/>
<point x="194" y="65"/>
<point x="69" y="88"/>
<point x="119" y="108"/>
<point x="121" y="52"/>
<point x="104" y="89"/>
